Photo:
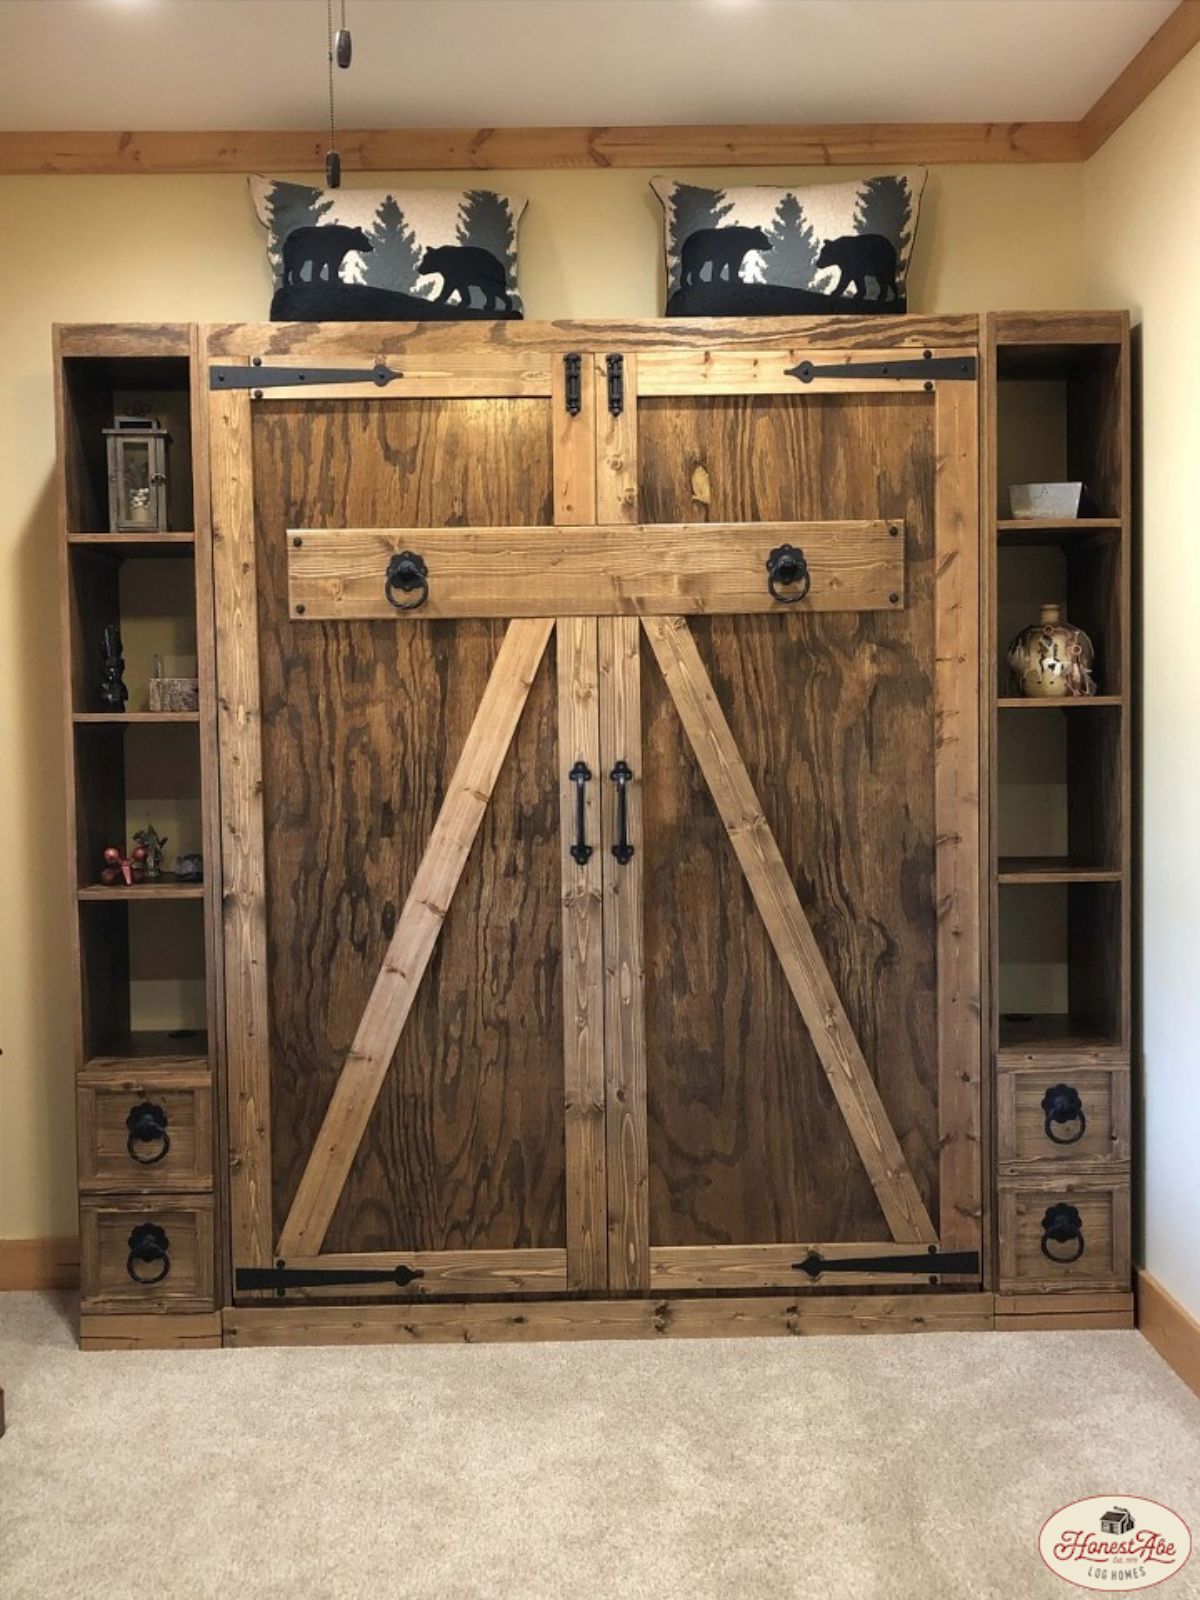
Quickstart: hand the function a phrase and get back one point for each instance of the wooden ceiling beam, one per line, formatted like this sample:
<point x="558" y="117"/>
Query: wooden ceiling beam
<point x="1161" y="52"/>
<point x="514" y="149"/>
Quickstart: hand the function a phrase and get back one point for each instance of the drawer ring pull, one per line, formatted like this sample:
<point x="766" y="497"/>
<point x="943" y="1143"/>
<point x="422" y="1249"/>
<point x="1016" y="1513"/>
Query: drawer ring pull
<point x="1061" y="1105"/>
<point x="1062" y="1225"/>
<point x="147" y="1124"/>
<point x="149" y="1258"/>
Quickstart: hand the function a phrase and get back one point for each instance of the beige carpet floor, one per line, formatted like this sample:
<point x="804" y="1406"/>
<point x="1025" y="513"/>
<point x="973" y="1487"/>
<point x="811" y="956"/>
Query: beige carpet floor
<point x="876" y="1468"/>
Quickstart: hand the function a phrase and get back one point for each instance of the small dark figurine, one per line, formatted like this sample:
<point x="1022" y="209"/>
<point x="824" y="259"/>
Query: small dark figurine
<point x="150" y="842"/>
<point x="119" y="867"/>
<point x="189" y="868"/>
<point x="112" y="693"/>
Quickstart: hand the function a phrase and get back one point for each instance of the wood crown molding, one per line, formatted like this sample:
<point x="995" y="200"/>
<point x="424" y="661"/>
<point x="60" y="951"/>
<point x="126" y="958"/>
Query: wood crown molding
<point x="1171" y="1329"/>
<point x="1161" y="52"/>
<point x="539" y="149"/>
<point x="39" y="1264"/>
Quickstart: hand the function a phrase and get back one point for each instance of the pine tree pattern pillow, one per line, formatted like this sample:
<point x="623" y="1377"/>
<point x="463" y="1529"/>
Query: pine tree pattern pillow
<point x="371" y="255"/>
<point x="767" y="252"/>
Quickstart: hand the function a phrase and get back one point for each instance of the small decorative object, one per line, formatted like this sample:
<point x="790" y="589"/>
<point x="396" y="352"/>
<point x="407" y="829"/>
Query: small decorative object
<point x="152" y="848"/>
<point x="118" y="867"/>
<point x="112" y="693"/>
<point x="137" y="475"/>
<point x="820" y="248"/>
<point x="172" y="694"/>
<point x="1051" y="660"/>
<point x="190" y="868"/>
<point x="1045" y="499"/>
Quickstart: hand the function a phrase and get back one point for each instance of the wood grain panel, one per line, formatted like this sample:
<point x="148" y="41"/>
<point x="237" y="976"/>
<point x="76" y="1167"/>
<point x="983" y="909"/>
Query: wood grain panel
<point x="338" y="573"/>
<point x="788" y="929"/>
<point x="443" y="1272"/>
<point x="364" y="724"/>
<point x="105" y="1098"/>
<point x="1021" y="1121"/>
<point x="105" y="1226"/>
<point x="833" y="718"/>
<point x="1103" y="1204"/>
<point x="766" y="1266"/>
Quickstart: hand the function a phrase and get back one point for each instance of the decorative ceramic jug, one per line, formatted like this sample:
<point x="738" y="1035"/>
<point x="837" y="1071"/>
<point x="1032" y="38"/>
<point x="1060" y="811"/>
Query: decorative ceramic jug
<point x="1051" y="660"/>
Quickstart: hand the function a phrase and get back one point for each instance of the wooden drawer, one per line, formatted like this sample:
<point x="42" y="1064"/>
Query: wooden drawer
<point x="1060" y="1114"/>
<point x="148" y="1254"/>
<point x="1073" y="1230"/>
<point x="148" y="1130"/>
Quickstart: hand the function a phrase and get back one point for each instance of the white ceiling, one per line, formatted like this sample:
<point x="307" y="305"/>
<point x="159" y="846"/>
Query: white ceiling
<point x="145" y="64"/>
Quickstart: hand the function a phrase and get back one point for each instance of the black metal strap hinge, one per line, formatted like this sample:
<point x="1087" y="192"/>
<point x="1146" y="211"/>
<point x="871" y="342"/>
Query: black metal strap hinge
<point x="614" y="368"/>
<point x="281" y="1277"/>
<point x="934" y="1262"/>
<point x="930" y="367"/>
<point x="258" y="376"/>
<point x="573" y="383"/>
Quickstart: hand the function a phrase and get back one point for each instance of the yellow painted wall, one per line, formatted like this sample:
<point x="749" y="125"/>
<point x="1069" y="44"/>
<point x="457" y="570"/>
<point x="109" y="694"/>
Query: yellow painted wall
<point x="1142" y="225"/>
<point x="124" y="249"/>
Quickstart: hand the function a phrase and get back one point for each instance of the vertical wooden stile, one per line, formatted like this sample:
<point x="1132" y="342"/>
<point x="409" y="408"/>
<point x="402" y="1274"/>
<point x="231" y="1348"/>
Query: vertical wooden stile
<point x="577" y="665"/>
<point x="239" y="736"/>
<point x="956" y="802"/>
<point x="624" y="962"/>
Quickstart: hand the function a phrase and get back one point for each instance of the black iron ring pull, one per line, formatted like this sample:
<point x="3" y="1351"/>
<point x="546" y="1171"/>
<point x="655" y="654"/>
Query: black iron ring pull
<point x="407" y="573"/>
<point x="1062" y="1225"/>
<point x="147" y="1124"/>
<point x="149" y="1258"/>
<point x="787" y="568"/>
<point x="622" y="776"/>
<point x="581" y="850"/>
<point x="1062" y="1105"/>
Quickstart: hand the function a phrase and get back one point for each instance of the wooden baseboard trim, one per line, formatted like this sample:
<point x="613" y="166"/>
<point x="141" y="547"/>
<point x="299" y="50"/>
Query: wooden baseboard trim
<point x="531" y="1321"/>
<point x="39" y="1264"/>
<point x="197" y="1331"/>
<point x="1171" y="1329"/>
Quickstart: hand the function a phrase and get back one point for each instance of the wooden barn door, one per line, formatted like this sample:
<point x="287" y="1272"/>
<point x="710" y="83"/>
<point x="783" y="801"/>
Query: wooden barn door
<point x="793" y="995"/>
<point x="411" y="952"/>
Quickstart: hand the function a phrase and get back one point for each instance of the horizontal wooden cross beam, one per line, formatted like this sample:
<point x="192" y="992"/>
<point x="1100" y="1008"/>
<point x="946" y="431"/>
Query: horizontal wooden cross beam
<point x="631" y="570"/>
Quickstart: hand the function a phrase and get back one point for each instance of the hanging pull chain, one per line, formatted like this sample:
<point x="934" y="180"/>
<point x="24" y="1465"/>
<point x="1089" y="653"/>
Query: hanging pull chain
<point x="339" y="46"/>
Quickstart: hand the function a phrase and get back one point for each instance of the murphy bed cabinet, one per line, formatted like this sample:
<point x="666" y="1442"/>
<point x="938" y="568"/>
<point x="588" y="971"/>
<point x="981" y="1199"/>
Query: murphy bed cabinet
<point x="633" y="903"/>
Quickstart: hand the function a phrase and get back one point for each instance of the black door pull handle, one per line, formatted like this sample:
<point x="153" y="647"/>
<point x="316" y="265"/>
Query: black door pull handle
<point x="149" y="1258"/>
<point x="580" y="774"/>
<point x="1062" y="1226"/>
<point x="622" y="776"/>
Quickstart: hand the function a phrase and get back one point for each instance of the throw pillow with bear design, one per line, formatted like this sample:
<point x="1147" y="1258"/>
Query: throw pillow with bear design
<point x="759" y="251"/>
<point x="371" y="255"/>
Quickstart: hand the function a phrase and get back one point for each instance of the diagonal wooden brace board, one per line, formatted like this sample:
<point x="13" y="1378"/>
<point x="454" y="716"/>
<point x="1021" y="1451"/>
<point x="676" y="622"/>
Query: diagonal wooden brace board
<point x="788" y="928"/>
<point x="622" y="570"/>
<point x="416" y="933"/>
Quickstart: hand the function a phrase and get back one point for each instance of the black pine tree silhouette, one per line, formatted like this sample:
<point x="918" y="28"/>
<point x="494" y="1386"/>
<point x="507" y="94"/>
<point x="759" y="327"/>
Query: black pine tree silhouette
<point x="792" y="258"/>
<point x="396" y="258"/>
<point x="291" y="206"/>
<point x="885" y="206"/>
<point x="693" y="208"/>
<point x="485" y="223"/>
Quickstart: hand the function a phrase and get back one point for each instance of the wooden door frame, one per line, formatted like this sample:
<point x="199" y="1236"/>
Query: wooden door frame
<point x="580" y="1264"/>
<point x="634" y="1262"/>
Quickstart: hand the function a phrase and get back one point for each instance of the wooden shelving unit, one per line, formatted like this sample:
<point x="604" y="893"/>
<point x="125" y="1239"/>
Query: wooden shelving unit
<point x="144" y="957"/>
<point x="1056" y="407"/>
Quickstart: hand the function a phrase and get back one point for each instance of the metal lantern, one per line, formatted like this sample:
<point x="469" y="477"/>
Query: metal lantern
<point x="137" y="475"/>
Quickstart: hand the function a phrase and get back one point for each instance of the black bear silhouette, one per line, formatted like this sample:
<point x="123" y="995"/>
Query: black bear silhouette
<point x="723" y="249"/>
<point x="859" y="256"/>
<point x="464" y="267"/>
<point x="321" y="249"/>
